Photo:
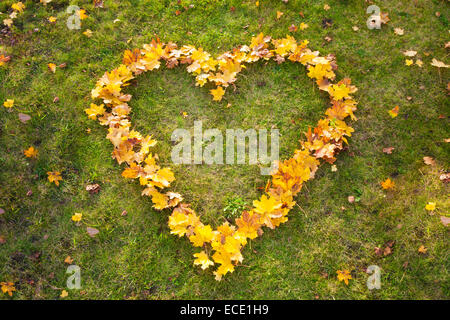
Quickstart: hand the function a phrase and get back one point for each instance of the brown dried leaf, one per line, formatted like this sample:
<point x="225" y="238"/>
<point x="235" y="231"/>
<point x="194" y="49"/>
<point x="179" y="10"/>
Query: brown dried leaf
<point x="93" y="188"/>
<point x="24" y="118"/>
<point x="378" y="251"/>
<point x="429" y="161"/>
<point x="293" y="28"/>
<point x="98" y="3"/>
<point x="445" y="220"/>
<point x="445" y="177"/>
<point x="92" y="232"/>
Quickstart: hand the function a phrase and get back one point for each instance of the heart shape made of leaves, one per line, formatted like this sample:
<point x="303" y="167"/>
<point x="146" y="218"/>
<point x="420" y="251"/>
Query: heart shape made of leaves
<point x="223" y="245"/>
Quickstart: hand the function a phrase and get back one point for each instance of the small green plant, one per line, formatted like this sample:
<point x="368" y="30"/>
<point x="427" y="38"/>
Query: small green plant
<point x="234" y="207"/>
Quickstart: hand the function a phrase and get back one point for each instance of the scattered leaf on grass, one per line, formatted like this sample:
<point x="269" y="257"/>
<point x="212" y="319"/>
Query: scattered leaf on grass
<point x="31" y="152"/>
<point x="344" y="275"/>
<point x="93" y="188"/>
<point x="384" y="17"/>
<point x="54" y="176"/>
<point x="445" y="177"/>
<point x="422" y="249"/>
<point x="8" y="287"/>
<point x="388" y="150"/>
<point x="439" y="64"/>
<point x="98" y="3"/>
<point x="9" y="103"/>
<point x="387" y="184"/>
<point x="52" y="67"/>
<point x="77" y="217"/>
<point x="399" y="31"/>
<point x="394" y="112"/>
<point x="4" y="59"/>
<point x="24" y="118"/>
<point x="410" y="53"/>
<point x="429" y="161"/>
<point x="88" y="33"/>
<point x="92" y="232"/>
<point x="445" y="220"/>
<point x="431" y="206"/>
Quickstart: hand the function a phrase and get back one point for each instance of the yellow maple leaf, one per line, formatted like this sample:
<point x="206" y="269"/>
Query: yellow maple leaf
<point x="394" y="111"/>
<point x="68" y="260"/>
<point x="266" y="205"/>
<point x="31" y="152"/>
<point x="64" y="294"/>
<point x="249" y="224"/>
<point x="431" y="206"/>
<point x="409" y="62"/>
<point x="160" y="200"/>
<point x="4" y="59"/>
<point x="77" y="217"/>
<point x="178" y="223"/>
<point x="95" y="111"/>
<point x="202" y="260"/>
<point x="82" y="14"/>
<point x="224" y="259"/>
<point x="9" y="103"/>
<point x="54" y="176"/>
<point x="52" y="67"/>
<point x="344" y="275"/>
<point x="279" y="14"/>
<point x="217" y="93"/>
<point x="201" y="235"/>
<point x="8" y="287"/>
<point x="162" y="178"/>
<point x="19" y="6"/>
<point x="422" y="249"/>
<point x="52" y="19"/>
<point x="88" y="33"/>
<point x="303" y="26"/>
<point x="339" y="92"/>
<point x="132" y="172"/>
<point x="320" y="71"/>
<point x="388" y="184"/>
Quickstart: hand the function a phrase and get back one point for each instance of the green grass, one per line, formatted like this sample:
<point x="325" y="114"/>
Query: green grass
<point x="134" y="256"/>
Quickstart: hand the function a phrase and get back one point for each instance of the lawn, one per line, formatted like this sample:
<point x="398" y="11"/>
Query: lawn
<point x="134" y="256"/>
